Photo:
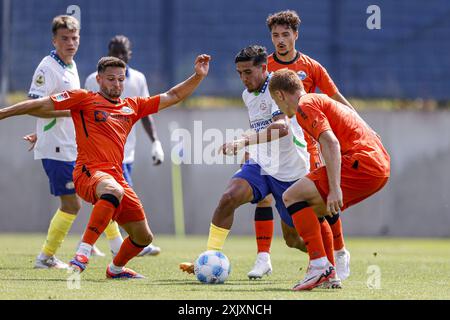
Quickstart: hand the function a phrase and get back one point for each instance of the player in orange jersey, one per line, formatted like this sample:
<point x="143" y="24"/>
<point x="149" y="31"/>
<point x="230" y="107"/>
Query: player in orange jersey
<point x="357" y="166"/>
<point x="102" y="123"/>
<point x="283" y="27"/>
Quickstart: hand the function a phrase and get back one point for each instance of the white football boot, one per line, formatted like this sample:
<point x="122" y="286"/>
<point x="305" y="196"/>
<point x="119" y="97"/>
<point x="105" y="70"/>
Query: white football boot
<point x="96" y="252"/>
<point x="342" y="258"/>
<point x="315" y="276"/>
<point x="332" y="283"/>
<point x="150" y="250"/>
<point x="49" y="263"/>
<point x="262" y="266"/>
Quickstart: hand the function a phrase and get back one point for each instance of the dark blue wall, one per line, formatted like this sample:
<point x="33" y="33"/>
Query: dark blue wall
<point x="409" y="57"/>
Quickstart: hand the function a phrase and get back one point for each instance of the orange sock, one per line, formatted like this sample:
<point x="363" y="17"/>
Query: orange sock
<point x="308" y="227"/>
<point x="264" y="228"/>
<point x="127" y="251"/>
<point x="327" y="238"/>
<point x="101" y="215"/>
<point x="338" y="235"/>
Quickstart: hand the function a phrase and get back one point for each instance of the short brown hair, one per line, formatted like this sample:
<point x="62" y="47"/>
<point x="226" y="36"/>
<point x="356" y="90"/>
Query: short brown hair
<point x="106" y="62"/>
<point x="64" y="22"/>
<point x="285" y="80"/>
<point x="287" y="18"/>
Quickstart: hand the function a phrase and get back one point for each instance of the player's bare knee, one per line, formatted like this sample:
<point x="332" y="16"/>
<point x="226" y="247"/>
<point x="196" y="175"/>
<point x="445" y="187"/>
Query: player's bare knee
<point x="230" y="198"/>
<point x="288" y="198"/>
<point x="111" y="187"/>
<point x="143" y="239"/>
<point x="116" y="190"/>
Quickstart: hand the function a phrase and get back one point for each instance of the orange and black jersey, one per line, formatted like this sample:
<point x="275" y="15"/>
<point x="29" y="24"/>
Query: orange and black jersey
<point x="102" y="125"/>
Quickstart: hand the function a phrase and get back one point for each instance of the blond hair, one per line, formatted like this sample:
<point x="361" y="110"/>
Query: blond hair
<point x="64" y="22"/>
<point x="285" y="80"/>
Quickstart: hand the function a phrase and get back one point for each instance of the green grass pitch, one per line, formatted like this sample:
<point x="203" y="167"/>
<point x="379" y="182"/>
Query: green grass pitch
<point x="409" y="269"/>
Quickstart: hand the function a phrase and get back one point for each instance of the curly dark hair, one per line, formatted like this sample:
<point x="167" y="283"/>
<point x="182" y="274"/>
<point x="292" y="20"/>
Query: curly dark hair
<point x="288" y="18"/>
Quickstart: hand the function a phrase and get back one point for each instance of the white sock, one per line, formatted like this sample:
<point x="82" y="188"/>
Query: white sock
<point x="340" y="251"/>
<point x="115" y="269"/>
<point x="319" y="263"/>
<point x="84" y="249"/>
<point x="115" y="244"/>
<point x="264" y="256"/>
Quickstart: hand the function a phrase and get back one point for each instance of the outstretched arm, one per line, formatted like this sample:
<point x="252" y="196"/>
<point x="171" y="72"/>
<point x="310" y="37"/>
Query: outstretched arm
<point x="184" y="89"/>
<point x="35" y="107"/>
<point x="51" y="114"/>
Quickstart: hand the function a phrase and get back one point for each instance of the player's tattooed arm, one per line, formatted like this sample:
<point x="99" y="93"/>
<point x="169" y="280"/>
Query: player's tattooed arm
<point x="331" y="152"/>
<point x="184" y="89"/>
<point x="34" y="106"/>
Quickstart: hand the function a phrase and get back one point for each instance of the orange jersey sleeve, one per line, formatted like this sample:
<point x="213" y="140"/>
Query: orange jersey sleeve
<point x="146" y="106"/>
<point x="69" y="100"/>
<point x="323" y="79"/>
<point x="311" y="118"/>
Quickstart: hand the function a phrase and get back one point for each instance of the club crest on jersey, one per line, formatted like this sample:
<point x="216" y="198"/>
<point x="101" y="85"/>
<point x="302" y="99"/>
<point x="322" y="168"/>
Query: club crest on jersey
<point x="263" y="106"/>
<point x="40" y="80"/>
<point x="126" y="109"/>
<point x="101" y="116"/>
<point x="302" y="75"/>
<point x="62" y="96"/>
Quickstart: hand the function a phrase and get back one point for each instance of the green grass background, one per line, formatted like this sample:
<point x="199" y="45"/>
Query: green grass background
<point x="410" y="269"/>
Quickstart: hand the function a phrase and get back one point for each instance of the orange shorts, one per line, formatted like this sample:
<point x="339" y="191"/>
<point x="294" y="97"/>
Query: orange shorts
<point x="86" y="181"/>
<point x="355" y="185"/>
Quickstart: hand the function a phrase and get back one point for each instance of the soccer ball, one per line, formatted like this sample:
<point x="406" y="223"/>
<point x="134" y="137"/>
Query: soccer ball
<point x="212" y="267"/>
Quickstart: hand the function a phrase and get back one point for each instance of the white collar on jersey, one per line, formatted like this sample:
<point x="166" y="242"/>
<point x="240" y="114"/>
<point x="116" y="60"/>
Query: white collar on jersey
<point x="264" y="86"/>
<point x="59" y="60"/>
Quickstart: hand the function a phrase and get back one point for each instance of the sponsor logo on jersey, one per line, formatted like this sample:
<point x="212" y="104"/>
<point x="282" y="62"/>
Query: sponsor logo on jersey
<point x="259" y="125"/>
<point x="302" y="75"/>
<point x="121" y="117"/>
<point x="62" y="96"/>
<point x="101" y="116"/>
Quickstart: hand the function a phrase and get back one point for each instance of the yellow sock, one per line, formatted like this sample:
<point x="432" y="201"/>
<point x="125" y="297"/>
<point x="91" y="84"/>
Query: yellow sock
<point x="217" y="237"/>
<point x="112" y="230"/>
<point x="57" y="231"/>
